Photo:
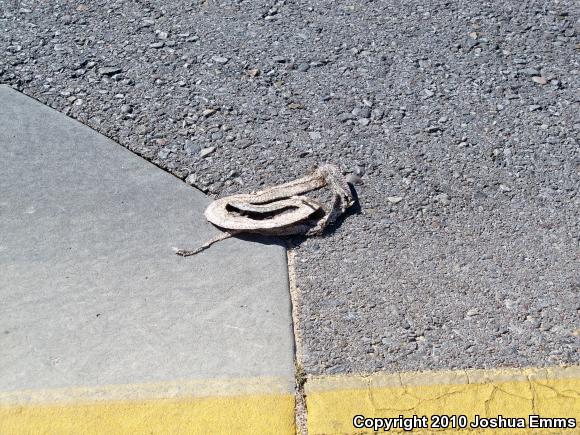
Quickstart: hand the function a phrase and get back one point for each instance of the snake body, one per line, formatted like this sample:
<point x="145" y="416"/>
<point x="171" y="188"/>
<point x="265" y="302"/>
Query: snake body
<point x="280" y="210"/>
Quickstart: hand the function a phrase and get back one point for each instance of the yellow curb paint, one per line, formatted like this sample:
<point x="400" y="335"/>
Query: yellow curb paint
<point x="332" y="402"/>
<point x="258" y="406"/>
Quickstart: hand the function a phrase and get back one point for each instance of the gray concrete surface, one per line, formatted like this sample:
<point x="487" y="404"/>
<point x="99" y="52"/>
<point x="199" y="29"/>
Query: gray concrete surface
<point x="91" y="292"/>
<point x="464" y="113"/>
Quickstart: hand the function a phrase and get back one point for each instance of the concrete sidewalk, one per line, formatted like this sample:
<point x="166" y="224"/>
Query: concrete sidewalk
<point x="96" y="308"/>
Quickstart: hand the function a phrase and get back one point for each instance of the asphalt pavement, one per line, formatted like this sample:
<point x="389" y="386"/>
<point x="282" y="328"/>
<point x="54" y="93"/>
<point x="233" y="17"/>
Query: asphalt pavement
<point x="460" y="118"/>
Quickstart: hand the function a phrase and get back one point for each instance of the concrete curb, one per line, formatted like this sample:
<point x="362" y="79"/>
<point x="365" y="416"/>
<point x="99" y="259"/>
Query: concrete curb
<point x="265" y="406"/>
<point x="241" y="406"/>
<point x="333" y="402"/>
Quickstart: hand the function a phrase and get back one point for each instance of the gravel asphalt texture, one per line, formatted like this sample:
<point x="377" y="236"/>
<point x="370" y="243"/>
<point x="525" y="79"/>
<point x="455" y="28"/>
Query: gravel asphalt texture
<point x="462" y="118"/>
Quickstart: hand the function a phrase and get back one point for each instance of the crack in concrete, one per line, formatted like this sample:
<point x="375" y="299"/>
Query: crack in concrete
<point x="301" y="411"/>
<point x="534" y="395"/>
<point x="574" y="395"/>
<point x="498" y="391"/>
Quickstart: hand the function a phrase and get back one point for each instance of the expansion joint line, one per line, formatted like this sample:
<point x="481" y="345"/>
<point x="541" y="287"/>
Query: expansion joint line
<point x="300" y="375"/>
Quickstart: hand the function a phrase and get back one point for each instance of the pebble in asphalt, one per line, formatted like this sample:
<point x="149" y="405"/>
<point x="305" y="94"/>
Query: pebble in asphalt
<point x="464" y="115"/>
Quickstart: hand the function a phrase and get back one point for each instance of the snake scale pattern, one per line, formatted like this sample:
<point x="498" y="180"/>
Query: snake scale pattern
<point x="280" y="210"/>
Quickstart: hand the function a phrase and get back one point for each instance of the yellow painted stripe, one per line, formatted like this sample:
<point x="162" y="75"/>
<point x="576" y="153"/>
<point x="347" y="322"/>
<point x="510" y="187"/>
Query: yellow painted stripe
<point x="215" y="407"/>
<point x="332" y="402"/>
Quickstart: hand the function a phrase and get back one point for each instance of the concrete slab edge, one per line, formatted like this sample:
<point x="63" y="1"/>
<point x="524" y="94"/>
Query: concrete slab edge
<point x="241" y="406"/>
<point x="550" y="392"/>
<point x="267" y="405"/>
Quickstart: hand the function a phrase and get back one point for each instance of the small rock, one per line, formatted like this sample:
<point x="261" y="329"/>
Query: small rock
<point x="472" y="312"/>
<point x="244" y="143"/>
<point x="191" y="179"/>
<point x="432" y="129"/>
<point x="471" y="43"/>
<point x="279" y="59"/>
<point x="443" y="199"/>
<point x="218" y="135"/>
<point x="66" y="19"/>
<point x="364" y="112"/>
<point x="163" y="153"/>
<point x="364" y="121"/>
<point x="295" y="106"/>
<point x="472" y="35"/>
<point x="378" y="114"/>
<point x="110" y="70"/>
<point x="510" y="304"/>
<point x="220" y="59"/>
<point x="162" y="35"/>
<point x="354" y="179"/>
<point x="206" y="151"/>
<point x="530" y="72"/>
<point x="534" y="107"/>
<point x="159" y="44"/>
<point x="125" y="108"/>
<point x="191" y="147"/>
<point x="394" y="199"/>
<point x="386" y="342"/>
<point x="208" y="112"/>
<point x="539" y="80"/>
<point x="253" y="72"/>
<point x="334" y="369"/>
<point x="343" y="117"/>
<point x="303" y="67"/>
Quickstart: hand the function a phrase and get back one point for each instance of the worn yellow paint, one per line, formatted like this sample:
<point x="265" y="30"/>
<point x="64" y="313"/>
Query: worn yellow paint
<point x="332" y="402"/>
<point x="214" y="407"/>
<point x="266" y="406"/>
